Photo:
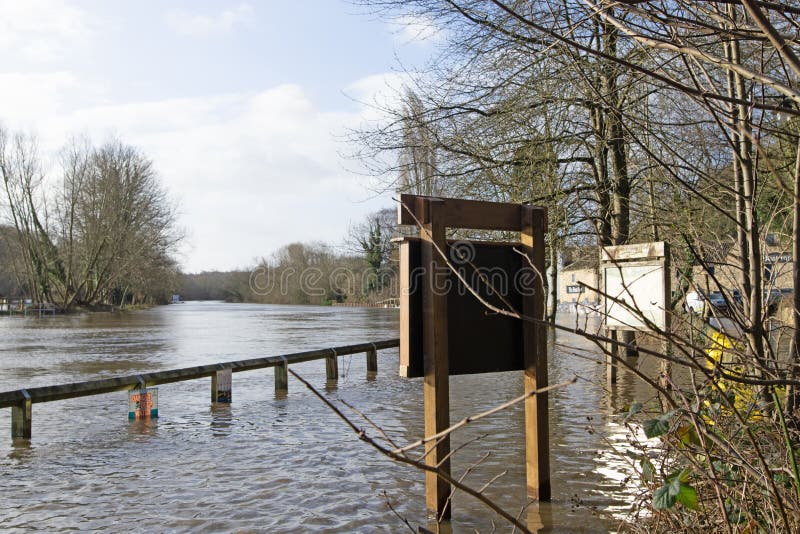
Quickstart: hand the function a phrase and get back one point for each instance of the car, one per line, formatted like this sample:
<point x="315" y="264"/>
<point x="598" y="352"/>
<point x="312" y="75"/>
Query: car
<point x="695" y="301"/>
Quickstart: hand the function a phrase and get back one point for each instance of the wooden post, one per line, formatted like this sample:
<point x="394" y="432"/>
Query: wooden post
<point x="332" y="367"/>
<point x="21" y="418"/>
<point x="613" y="353"/>
<point x="372" y="361"/>
<point x="281" y="377"/>
<point x="436" y="388"/>
<point x="666" y="366"/>
<point x="537" y="430"/>
<point x="222" y="386"/>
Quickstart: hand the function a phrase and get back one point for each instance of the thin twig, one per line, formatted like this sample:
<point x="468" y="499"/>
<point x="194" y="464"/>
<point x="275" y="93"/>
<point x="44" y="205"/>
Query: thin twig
<point x="481" y="415"/>
<point x="371" y="423"/>
<point x="395" y="512"/>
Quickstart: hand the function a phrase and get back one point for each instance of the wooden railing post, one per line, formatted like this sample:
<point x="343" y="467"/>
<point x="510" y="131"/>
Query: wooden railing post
<point x="222" y="386"/>
<point x="21" y="418"/>
<point x="372" y="361"/>
<point x="281" y="377"/>
<point x="332" y="367"/>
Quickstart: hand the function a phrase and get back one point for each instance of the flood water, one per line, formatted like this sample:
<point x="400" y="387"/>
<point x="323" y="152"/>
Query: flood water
<point x="272" y="463"/>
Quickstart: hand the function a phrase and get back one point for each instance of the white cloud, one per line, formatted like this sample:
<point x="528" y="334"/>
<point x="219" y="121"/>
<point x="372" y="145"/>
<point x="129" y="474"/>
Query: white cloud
<point x="416" y="29"/>
<point x="42" y="30"/>
<point x="27" y="97"/>
<point x="201" y="24"/>
<point x="252" y="171"/>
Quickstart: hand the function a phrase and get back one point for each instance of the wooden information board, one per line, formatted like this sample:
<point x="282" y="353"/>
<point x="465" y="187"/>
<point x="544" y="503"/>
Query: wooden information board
<point x="636" y="285"/>
<point x="479" y="341"/>
<point x="445" y="329"/>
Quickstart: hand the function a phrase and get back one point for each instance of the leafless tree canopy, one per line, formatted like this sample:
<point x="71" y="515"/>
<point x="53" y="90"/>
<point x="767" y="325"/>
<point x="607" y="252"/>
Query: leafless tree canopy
<point x="105" y="234"/>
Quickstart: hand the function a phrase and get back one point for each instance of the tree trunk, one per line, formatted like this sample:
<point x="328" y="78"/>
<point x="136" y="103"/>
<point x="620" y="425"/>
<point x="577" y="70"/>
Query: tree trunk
<point x="792" y="392"/>
<point x="552" y="306"/>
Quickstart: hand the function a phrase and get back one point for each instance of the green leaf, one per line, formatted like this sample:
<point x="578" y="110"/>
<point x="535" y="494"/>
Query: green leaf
<point x="648" y="470"/>
<point x="687" y="435"/>
<point x="675" y="490"/>
<point x="662" y="500"/>
<point x="682" y="475"/>
<point x="659" y="426"/>
<point x="687" y="496"/>
<point x="735" y="516"/>
<point x="655" y="427"/>
<point x="665" y="496"/>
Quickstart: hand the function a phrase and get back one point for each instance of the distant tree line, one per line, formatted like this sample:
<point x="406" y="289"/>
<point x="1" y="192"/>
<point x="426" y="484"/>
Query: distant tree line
<point x="365" y="270"/>
<point x="100" y="231"/>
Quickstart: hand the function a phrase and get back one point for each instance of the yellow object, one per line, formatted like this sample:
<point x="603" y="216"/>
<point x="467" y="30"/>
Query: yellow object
<point x="722" y="353"/>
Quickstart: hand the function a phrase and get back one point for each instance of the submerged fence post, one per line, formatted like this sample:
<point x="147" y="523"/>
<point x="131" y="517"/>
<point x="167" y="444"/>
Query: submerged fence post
<point x="281" y="377"/>
<point x="332" y="367"/>
<point x="612" y="354"/>
<point x="222" y="387"/>
<point x="21" y="418"/>
<point x="372" y="361"/>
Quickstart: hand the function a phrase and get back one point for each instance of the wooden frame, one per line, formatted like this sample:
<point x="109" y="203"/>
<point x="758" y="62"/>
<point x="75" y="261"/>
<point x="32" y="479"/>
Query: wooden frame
<point x="655" y="254"/>
<point x="433" y="216"/>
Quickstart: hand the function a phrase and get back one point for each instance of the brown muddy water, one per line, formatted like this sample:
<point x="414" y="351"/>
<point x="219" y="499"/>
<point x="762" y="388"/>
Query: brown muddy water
<point x="283" y="464"/>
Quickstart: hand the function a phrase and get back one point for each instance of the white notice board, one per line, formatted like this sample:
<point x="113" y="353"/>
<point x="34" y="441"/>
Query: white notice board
<point x="639" y="286"/>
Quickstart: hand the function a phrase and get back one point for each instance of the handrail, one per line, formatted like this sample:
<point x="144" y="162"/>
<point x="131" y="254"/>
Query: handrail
<point x="13" y="398"/>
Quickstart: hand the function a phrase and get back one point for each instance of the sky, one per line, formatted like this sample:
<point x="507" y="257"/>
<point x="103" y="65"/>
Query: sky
<point x="242" y="106"/>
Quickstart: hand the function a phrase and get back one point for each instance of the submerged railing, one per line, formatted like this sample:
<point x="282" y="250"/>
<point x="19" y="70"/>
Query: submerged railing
<point x="21" y="400"/>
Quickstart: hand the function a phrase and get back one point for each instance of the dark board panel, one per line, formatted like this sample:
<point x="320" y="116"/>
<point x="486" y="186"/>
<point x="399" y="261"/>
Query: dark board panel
<point x="479" y="340"/>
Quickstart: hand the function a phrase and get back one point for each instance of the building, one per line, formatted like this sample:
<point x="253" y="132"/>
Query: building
<point x="725" y="267"/>
<point x="577" y="275"/>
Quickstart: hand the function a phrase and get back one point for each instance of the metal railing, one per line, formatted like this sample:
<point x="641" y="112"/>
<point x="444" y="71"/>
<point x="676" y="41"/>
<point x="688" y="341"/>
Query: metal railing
<point x="20" y="400"/>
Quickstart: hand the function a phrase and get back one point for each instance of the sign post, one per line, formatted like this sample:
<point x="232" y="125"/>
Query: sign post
<point x="636" y="291"/>
<point x="221" y="386"/>
<point x="445" y="329"/>
<point x="143" y="403"/>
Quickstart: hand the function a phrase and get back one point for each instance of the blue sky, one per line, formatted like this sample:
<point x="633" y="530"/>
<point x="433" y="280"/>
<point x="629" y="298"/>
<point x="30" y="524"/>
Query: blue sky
<point x="241" y="105"/>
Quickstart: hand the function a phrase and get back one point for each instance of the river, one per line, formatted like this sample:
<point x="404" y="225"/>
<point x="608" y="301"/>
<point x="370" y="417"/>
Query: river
<point x="283" y="463"/>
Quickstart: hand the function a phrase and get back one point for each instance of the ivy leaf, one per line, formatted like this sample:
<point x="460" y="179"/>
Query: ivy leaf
<point x="659" y="426"/>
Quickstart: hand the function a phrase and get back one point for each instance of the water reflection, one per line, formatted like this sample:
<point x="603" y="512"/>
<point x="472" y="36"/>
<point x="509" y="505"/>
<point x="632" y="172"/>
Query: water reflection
<point x="331" y="385"/>
<point x="539" y="517"/>
<point x="221" y="419"/>
<point x="142" y="428"/>
<point x="21" y="450"/>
